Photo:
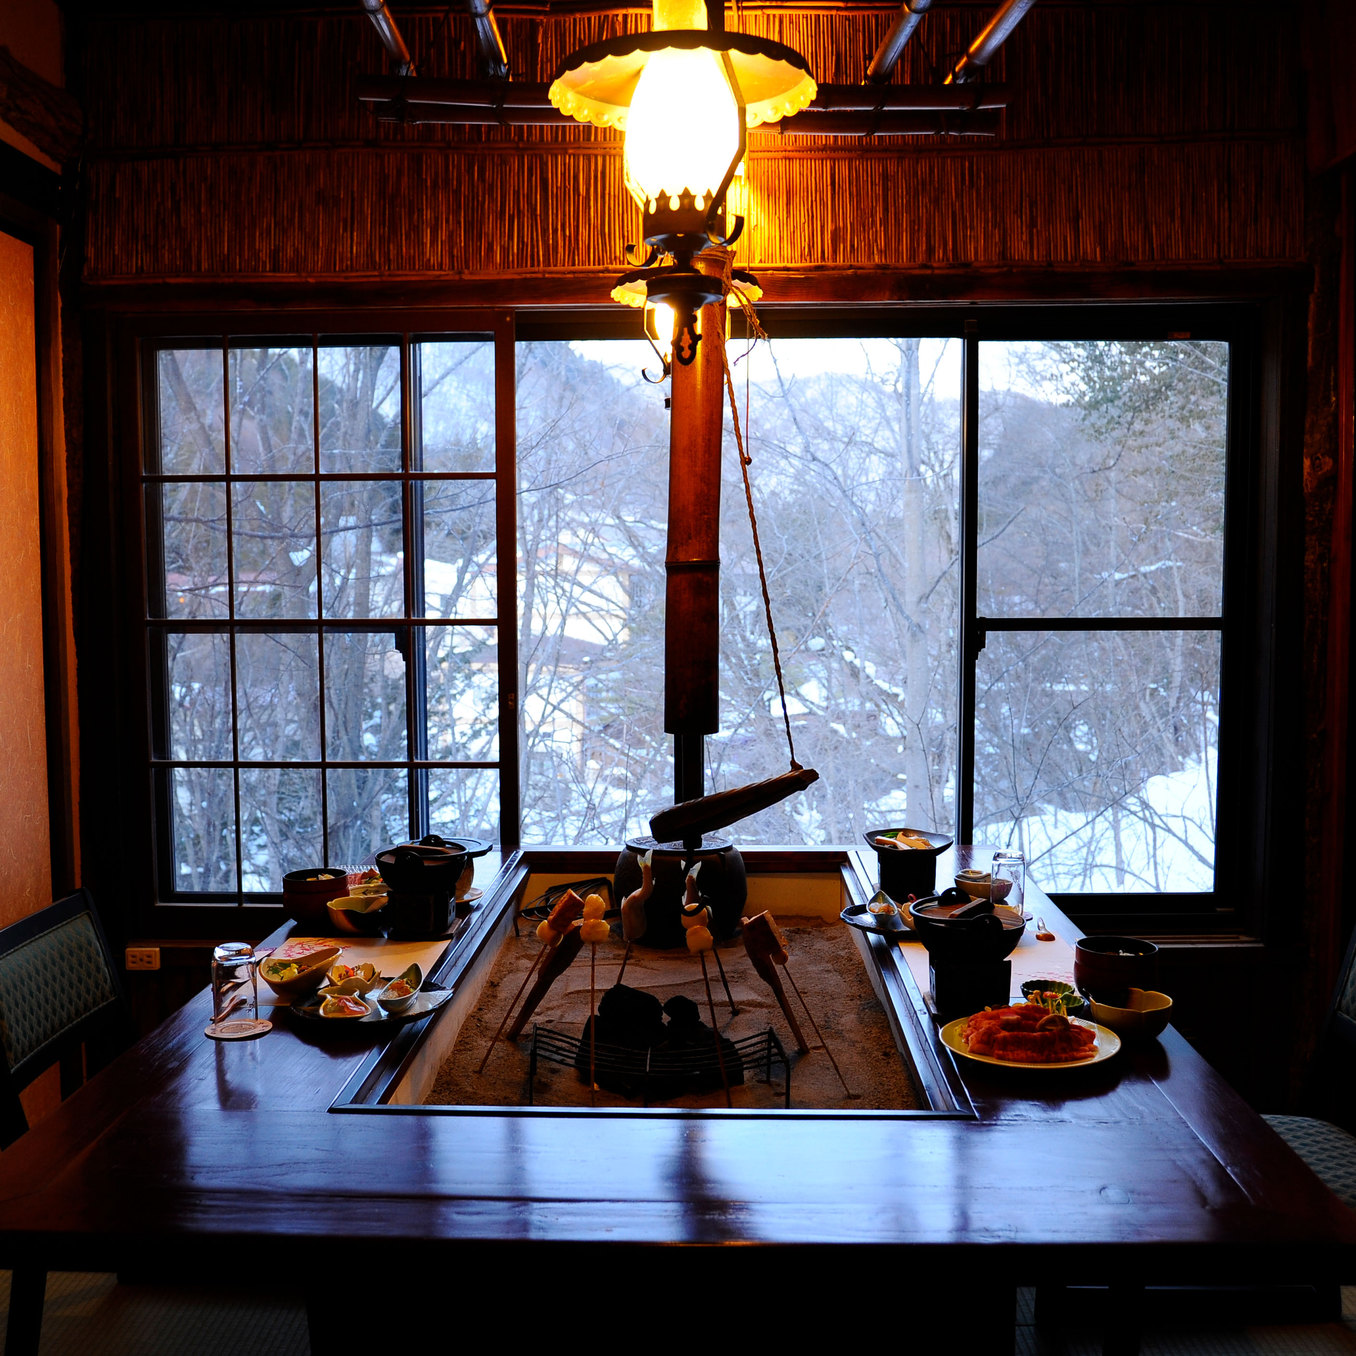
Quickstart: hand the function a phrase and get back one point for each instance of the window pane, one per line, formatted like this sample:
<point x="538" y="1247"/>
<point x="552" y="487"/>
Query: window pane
<point x="272" y="429"/>
<point x="459" y="548"/>
<point x="364" y="697"/>
<point x="456" y="389"/>
<point x="278" y="697"/>
<point x="193" y="520"/>
<point x="1101" y="484"/>
<point x="463" y="692"/>
<point x="281" y="832"/>
<point x="203" y="811"/>
<point x="274" y="541"/>
<point x="192" y="417"/>
<point x="199" y="667"/>
<point x="593" y="482"/>
<point x="855" y="447"/>
<point x="364" y="549"/>
<point x="464" y="802"/>
<point x="359" y="407"/>
<point x="1096" y="755"/>
<point x="369" y="810"/>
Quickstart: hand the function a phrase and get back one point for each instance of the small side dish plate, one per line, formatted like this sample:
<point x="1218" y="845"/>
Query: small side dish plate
<point x="857" y="916"/>
<point x="428" y="1000"/>
<point x="1108" y="1043"/>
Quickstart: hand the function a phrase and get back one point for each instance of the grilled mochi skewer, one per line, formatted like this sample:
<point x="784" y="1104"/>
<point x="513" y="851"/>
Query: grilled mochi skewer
<point x="563" y="940"/>
<point x="552" y="930"/>
<point x="767" y="950"/>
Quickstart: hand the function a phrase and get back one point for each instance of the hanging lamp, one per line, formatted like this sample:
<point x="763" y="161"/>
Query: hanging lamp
<point x="685" y="94"/>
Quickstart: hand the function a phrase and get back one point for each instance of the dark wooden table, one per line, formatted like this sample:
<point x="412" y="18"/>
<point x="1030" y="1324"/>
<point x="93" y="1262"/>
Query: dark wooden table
<point x="1147" y="1168"/>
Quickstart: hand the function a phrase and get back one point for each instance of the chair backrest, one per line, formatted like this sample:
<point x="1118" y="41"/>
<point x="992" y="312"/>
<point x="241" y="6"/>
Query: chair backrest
<point x="60" y="998"/>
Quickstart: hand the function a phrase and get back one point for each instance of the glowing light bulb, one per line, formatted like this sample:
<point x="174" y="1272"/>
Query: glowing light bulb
<point x="659" y="322"/>
<point x="682" y="130"/>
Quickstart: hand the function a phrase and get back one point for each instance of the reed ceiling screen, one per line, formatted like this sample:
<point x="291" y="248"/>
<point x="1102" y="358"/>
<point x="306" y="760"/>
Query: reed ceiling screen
<point x="235" y="147"/>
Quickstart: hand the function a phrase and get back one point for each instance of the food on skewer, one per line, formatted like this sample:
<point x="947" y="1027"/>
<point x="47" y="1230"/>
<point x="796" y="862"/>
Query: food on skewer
<point x="767" y="949"/>
<point x="568" y="911"/>
<point x="764" y="942"/>
<point x="552" y="930"/>
<point x="558" y="959"/>
<point x="595" y="930"/>
<point x="634" y="921"/>
<point x="699" y="939"/>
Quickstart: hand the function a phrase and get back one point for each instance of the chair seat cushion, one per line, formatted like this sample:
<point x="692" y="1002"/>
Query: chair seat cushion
<point x="1328" y="1149"/>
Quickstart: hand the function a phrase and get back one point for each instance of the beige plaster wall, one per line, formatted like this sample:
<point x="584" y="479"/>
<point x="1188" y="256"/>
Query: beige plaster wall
<point x="25" y="854"/>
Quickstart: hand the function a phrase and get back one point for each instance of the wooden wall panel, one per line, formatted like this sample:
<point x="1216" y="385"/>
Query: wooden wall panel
<point x="25" y="852"/>
<point x="234" y="147"/>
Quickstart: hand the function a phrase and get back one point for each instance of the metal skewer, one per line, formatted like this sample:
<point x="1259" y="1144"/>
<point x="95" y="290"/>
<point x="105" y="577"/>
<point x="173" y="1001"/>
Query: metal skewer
<point x="541" y="955"/>
<point x="818" y="1035"/>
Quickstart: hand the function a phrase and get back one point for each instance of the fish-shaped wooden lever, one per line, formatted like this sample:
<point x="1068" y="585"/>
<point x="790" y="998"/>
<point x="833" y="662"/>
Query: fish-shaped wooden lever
<point x="692" y="818"/>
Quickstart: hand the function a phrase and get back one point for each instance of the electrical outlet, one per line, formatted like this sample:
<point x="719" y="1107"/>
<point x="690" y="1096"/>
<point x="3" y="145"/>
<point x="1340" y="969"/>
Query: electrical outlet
<point x="143" y="957"/>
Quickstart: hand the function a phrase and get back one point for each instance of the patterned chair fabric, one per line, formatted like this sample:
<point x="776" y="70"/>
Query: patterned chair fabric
<point x="1329" y="1150"/>
<point x="50" y="984"/>
<point x="1346" y="993"/>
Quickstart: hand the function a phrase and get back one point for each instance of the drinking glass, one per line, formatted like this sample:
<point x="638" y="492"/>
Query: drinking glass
<point x="235" y="992"/>
<point x="1007" y="877"/>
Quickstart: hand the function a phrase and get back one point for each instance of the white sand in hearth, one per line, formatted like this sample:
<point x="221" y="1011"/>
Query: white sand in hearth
<point x="823" y="961"/>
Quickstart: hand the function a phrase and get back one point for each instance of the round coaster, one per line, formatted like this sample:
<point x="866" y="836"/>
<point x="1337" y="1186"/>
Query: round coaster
<point x="237" y="1030"/>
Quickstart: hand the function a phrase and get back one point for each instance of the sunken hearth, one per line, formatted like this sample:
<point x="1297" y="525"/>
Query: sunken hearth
<point x="665" y="990"/>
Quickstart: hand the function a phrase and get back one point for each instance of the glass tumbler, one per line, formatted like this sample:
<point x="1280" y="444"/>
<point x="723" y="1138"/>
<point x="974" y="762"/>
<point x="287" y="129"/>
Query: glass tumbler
<point x="1007" y="881"/>
<point x="235" y="991"/>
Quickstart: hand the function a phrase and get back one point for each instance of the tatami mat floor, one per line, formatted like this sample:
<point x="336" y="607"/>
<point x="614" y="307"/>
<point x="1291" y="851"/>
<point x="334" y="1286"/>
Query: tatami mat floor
<point x="91" y="1315"/>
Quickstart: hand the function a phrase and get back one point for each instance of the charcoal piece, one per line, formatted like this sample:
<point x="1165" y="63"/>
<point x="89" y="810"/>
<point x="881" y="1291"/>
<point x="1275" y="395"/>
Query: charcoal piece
<point x="689" y="1052"/>
<point x="616" y="1067"/>
<point x="630" y="1021"/>
<point x="637" y="1055"/>
<point x="683" y="1013"/>
<point x="631" y="1017"/>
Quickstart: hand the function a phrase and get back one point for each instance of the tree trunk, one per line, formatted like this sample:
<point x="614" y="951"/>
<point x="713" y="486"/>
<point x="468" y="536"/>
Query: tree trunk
<point x="922" y="813"/>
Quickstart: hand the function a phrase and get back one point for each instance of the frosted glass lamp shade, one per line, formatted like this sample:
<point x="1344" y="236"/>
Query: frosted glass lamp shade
<point x="682" y="129"/>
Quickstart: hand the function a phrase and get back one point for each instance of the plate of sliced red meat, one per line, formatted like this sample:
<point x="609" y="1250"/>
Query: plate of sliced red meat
<point x="1028" y="1035"/>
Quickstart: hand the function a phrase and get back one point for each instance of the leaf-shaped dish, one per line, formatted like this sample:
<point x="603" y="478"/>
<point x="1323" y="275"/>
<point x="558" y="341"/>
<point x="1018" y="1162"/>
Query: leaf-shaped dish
<point x="401" y="992"/>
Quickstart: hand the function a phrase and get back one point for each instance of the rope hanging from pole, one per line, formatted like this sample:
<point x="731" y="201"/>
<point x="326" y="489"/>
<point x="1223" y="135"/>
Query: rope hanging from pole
<point x="745" y="460"/>
<point x="688" y="821"/>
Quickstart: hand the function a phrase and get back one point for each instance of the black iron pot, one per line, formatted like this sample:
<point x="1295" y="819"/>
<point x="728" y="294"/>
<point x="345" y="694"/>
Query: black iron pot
<point x="421" y="868"/>
<point x="960" y="931"/>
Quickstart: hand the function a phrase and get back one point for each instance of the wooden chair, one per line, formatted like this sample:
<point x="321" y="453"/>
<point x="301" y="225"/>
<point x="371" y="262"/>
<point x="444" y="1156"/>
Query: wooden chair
<point x="61" y="1002"/>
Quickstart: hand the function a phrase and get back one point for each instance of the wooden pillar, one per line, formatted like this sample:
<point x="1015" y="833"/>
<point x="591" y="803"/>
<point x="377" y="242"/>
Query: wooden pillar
<point x="692" y="598"/>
